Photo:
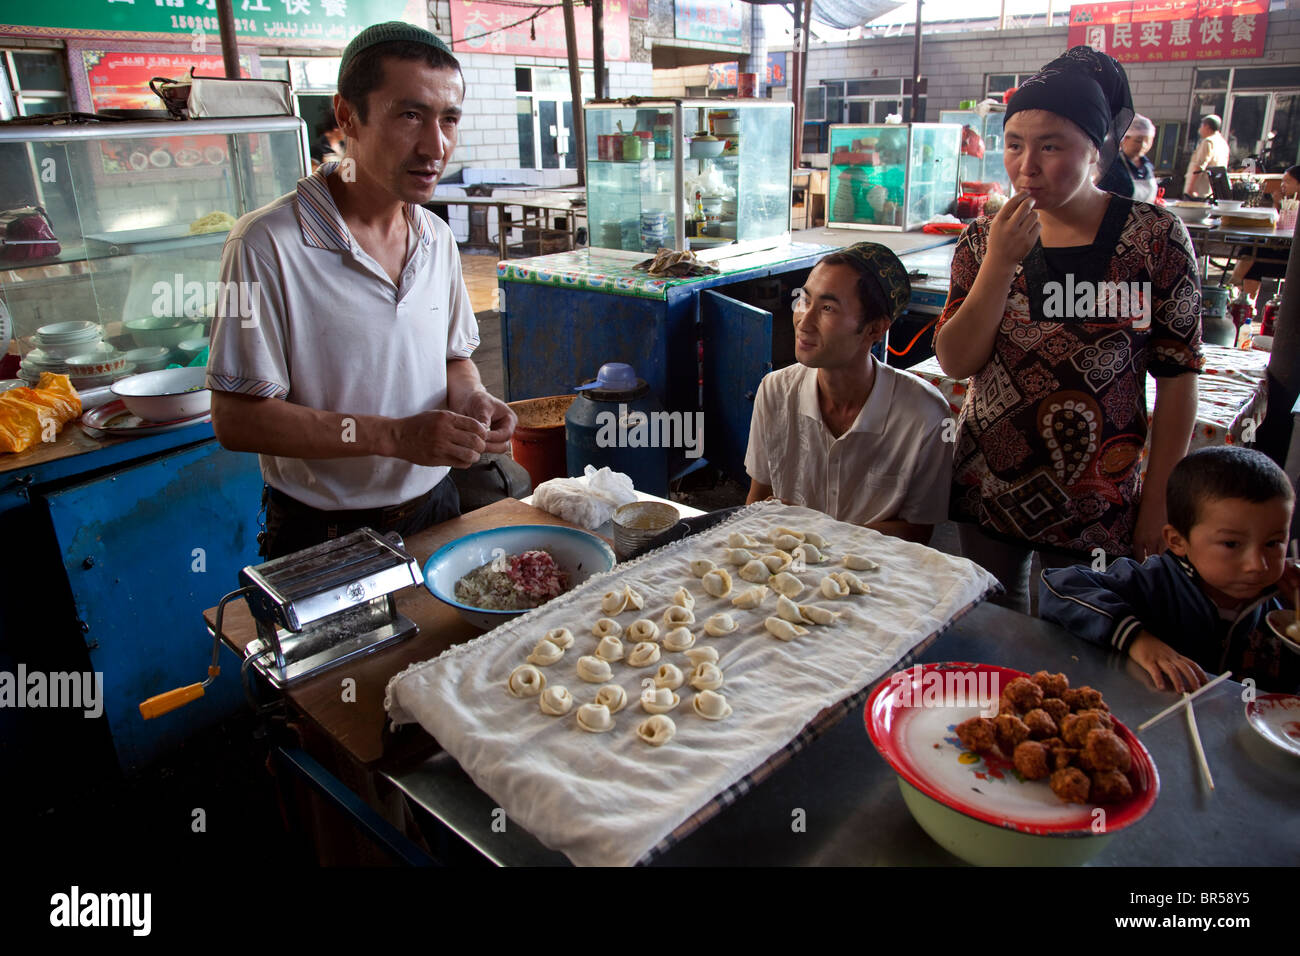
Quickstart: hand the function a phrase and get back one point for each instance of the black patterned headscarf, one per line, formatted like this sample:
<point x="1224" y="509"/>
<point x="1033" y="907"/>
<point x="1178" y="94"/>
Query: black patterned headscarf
<point x="1086" y="87"/>
<point x="885" y="274"/>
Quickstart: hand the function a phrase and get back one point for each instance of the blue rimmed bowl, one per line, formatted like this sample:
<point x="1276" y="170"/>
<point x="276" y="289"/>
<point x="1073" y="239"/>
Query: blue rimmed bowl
<point x="578" y="554"/>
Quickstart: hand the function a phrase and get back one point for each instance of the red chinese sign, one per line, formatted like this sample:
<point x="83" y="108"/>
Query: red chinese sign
<point x="492" y="28"/>
<point x="121" y="80"/>
<point x="1145" y="30"/>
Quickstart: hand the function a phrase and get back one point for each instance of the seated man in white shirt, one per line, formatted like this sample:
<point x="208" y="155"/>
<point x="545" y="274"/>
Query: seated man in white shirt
<point x="841" y="432"/>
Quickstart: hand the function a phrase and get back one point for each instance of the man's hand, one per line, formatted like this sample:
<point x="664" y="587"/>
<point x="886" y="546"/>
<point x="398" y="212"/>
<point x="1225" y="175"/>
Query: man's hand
<point x="440" y="438"/>
<point x="1160" y="660"/>
<point x="496" y="416"/>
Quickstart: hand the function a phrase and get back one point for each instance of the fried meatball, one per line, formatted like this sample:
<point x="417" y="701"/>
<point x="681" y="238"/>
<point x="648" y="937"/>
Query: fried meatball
<point x="1024" y="693"/>
<point x="1010" y="731"/>
<point x="1057" y="708"/>
<point x="1106" y="751"/>
<point x="1075" y="727"/>
<point x="1063" y="757"/>
<point x="1053" y="685"/>
<point x="1007" y="706"/>
<point x="1031" y="760"/>
<point x="1084" y="698"/>
<point x="1040" y="724"/>
<point x="1110" y="786"/>
<point x="977" y="734"/>
<point x="1071" y="785"/>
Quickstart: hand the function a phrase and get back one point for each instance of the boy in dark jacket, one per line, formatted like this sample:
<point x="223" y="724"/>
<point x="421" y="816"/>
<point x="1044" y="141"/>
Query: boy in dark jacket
<point x="1200" y="606"/>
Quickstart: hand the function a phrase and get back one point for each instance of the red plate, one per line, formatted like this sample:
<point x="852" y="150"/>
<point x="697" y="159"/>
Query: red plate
<point x="918" y="739"/>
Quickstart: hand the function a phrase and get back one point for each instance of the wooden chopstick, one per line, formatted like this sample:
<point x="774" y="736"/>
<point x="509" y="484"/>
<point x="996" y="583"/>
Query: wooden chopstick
<point x="1152" y="721"/>
<point x="1196" y="740"/>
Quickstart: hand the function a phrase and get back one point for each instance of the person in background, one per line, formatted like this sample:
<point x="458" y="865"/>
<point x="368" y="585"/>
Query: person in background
<point x="1249" y="270"/>
<point x="1132" y="175"/>
<point x="840" y="432"/>
<point x="1212" y="150"/>
<point x="353" y="378"/>
<point x="1051" y="435"/>
<point x="1200" y="607"/>
<point x="328" y="147"/>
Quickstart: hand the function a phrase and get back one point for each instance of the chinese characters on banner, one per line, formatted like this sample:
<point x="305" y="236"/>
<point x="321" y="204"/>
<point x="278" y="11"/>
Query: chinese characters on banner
<point x="1145" y="30"/>
<point x="491" y="28"/>
<point x="713" y="21"/>
<point x="722" y="76"/>
<point x="121" y="80"/>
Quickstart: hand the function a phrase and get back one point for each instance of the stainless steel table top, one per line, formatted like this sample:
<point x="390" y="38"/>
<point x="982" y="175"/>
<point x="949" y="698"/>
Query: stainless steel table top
<point x="854" y="814"/>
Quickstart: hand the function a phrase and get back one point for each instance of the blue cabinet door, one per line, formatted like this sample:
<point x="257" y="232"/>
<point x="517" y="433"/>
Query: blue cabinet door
<point x="147" y="549"/>
<point x="737" y="347"/>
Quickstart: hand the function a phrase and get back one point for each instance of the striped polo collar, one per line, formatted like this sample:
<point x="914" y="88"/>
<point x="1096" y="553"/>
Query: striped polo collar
<point x="321" y="223"/>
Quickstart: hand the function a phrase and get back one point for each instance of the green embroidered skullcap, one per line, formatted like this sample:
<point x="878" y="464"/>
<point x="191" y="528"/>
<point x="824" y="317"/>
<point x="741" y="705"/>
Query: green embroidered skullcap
<point x="879" y="264"/>
<point x="393" y="30"/>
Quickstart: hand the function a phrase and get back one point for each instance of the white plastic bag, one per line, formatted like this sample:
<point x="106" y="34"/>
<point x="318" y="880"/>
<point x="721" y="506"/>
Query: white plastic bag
<point x="589" y="501"/>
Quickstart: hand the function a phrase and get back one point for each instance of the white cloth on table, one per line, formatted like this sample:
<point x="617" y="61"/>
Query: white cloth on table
<point x="333" y="332"/>
<point x="892" y="463"/>
<point x="607" y="799"/>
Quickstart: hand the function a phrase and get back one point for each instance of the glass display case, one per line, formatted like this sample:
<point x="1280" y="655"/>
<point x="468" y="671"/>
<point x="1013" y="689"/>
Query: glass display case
<point x="122" y="224"/>
<point x="688" y="174"/>
<point x="987" y="167"/>
<point x="890" y="176"/>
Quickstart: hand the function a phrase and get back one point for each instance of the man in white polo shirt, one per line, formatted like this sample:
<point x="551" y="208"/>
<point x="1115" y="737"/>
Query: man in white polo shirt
<point x="839" y="431"/>
<point x="352" y="379"/>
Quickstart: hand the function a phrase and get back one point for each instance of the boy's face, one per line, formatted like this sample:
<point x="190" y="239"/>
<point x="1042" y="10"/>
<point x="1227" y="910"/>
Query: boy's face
<point x="1238" y="547"/>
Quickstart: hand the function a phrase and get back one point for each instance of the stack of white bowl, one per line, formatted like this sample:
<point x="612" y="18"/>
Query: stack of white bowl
<point x="54" y="344"/>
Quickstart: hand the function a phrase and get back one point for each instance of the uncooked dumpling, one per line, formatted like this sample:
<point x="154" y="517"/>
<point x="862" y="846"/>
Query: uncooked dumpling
<point x="787" y="610"/>
<point x="678" y="616"/>
<point x="607" y="627"/>
<point x="798" y="536"/>
<point x="738" y="539"/>
<point x="594" y="670"/>
<point x="755" y="571"/>
<point x="701" y="567"/>
<point x="809" y="554"/>
<point x="833" y="587"/>
<point x="658" y="700"/>
<point x="642" y="629"/>
<point x="670" y="676"/>
<point x="684" y="598"/>
<point x="777" y="561"/>
<point x="610" y="649"/>
<point x="706" y="676"/>
<point x="719" y="624"/>
<point x="556" y="701"/>
<point x="783" y="629"/>
<point x="616" y="602"/>
<point x="711" y="705"/>
<point x="643" y="655"/>
<point x="656" y="730"/>
<point x="613" y="697"/>
<point x="701" y="655"/>
<point x="750" y="599"/>
<point x="717" y="582"/>
<point x="853" y="583"/>
<point x="816" y="540"/>
<point x="595" y="718"/>
<point x="787" y="542"/>
<point x="545" y="653"/>
<point x="526" y="681"/>
<point x="859" y="562"/>
<point x="561" y="637"/>
<point x="787" y="584"/>
<point x="678" y="639"/>
<point x="740" y="555"/>
<point x="812" y="614"/>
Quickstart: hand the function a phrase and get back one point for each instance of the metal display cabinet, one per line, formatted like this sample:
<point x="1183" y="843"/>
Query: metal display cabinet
<point x="989" y="167"/>
<point x="891" y="176"/>
<point x="700" y="344"/>
<point x="642" y="179"/>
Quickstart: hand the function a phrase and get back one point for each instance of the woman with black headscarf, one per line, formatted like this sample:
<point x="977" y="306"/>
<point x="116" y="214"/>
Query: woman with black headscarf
<point x="1058" y="308"/>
